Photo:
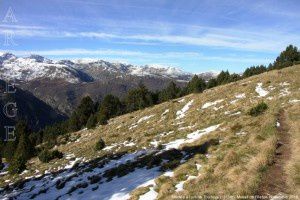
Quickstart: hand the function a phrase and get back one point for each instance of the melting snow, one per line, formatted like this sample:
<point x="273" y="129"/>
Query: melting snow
<point x="72" y="163"/>
<point x="277" y="124"/>
<point x="218" y="108"/>
<point x="181" y="113"/>
<point x="232" y="114"/>
<point x="208" y="104"/>
<point x="190" y="137"/>
<point x="240" y="96"/>
<point x="271" y="87"/>
<point x="107" y="148"/>
<point x="284" y="84"/>
<point x="284" y="92"/>
<point x="294" y="101"/>
<point x="165" y="112"/>
<point x="179" y="186"/>
<point x="155" y="143"/>
<point x="118" y="188"/>
<point x="236" y="113"/>
<point x="241" y="133"/>
<point x="261" y="92"/>
<point x="168" y="174"/>
<point x="198" y="166"/>
<point x="145" y="118"/>
<point x="151" y="195"/>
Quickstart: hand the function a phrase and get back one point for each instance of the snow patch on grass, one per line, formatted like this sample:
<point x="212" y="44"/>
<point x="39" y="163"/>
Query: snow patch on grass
<point x="261" y="92"/>
<point x="165" y="112"/>
<point x="240" y="96"/>
<point x="218" y="108"/>
<point x="168" y="174"/>
<point x="191" y="137"/>
<point x="241" y="133"/>
<point x="181" y="113"/>
<point x="284" y="84"/>
<point x="208" y="104"/>
<point x="181" y="100"/>
<point x="144" y="118"/>
<point x="294" y="100"/>
<point x="151" y="195"/>
<point x="179" y="186"/>
<point x="284" y="92"/>
<point x="277" y="124"/>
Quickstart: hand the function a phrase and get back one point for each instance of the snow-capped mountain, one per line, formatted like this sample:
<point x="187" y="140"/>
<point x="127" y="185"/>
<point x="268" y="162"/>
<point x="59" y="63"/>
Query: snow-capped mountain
<point x="76" y="71"/>
<point x="35" y="67"/>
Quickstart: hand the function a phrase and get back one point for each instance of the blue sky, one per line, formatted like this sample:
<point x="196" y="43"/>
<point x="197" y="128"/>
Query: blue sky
<point x="195" y="35"/>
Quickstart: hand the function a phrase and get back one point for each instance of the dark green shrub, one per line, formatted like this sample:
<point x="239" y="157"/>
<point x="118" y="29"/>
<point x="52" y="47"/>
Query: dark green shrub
<point x="17" y="165"/>
<point x="46" y="155"/>
<point x="100" y="145"/>
<point x="92" y="122"/>
<point x="258" y="109"/>
<point x="57" y="154"/>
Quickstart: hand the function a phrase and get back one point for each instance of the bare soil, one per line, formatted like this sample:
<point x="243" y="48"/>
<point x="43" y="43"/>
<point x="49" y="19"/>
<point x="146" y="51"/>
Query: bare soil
<point x="274" y="181"/>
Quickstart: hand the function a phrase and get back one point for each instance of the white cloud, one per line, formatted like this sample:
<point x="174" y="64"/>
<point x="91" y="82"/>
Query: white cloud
<point x="269" y="40"/>
<point x="138" y="55"/>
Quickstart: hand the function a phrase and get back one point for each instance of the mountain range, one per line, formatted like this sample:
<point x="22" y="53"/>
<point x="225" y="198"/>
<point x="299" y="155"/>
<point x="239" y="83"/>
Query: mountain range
<point x="63" y="83"/>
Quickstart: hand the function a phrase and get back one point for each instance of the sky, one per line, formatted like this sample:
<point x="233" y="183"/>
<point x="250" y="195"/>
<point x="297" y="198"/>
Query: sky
<point x="194" y="35"/>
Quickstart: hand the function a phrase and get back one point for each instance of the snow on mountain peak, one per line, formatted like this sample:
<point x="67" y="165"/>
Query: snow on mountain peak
<point x="81" y="70"/>
<point x="38" y="58"/>
<point x="7" y="56"/>
<point x="33" y="67"/>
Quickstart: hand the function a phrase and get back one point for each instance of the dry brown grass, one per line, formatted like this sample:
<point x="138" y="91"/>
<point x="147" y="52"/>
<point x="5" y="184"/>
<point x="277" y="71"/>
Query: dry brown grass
<point x="293" y="166"/>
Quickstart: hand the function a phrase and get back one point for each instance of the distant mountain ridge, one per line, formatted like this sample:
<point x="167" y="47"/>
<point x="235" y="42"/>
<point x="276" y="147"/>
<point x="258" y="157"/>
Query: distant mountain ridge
<point x="75" y="71"/>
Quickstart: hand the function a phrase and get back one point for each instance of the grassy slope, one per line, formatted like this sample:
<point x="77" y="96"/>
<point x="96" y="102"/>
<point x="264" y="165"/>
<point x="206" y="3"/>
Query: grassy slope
<point x="235" y="166"/>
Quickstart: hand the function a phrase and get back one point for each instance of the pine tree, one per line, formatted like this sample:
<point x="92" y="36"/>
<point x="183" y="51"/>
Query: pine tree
<point x="196" y="85"/>
<point x="138" y="98"/>
<point x="84" y="110"/>
<point x="92" y="121"/>
<point x="212" y="83"/>
<point x="234" y="77"/>
<point x="25" y="148"/>
<point x="288" y="57"/>
<point x="9" y="149"/>
<point x="74" y="123"/>
<point x="24" y="151"/>
<point x="171" y="92"/>
<point x="223" y="77"/>
<point x="82" y="113"/>
<point x="17" y="165"/>
<point x="110" y="106"/>
<point x="254" y="70"/>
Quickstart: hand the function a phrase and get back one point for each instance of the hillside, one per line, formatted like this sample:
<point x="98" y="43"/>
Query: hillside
<point x="37" y="113"/>
<point x="200" y="144"/>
